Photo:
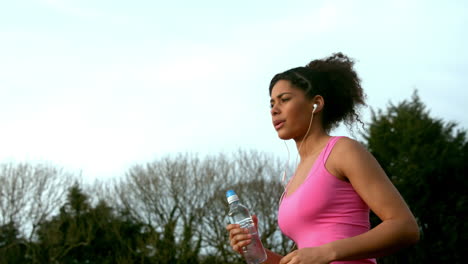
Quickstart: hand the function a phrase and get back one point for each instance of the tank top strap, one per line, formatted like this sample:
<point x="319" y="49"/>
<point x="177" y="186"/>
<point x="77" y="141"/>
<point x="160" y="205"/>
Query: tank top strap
<point x="331" y="143"/>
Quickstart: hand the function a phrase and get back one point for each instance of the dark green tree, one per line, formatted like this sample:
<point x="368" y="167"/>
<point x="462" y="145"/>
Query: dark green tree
<point x="426" y="158"/>
<point x="82" y="233"/>
<point x="13" y="247"/>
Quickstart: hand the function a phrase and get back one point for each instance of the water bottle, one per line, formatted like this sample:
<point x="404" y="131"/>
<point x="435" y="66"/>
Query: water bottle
<point x="254" y="253"/>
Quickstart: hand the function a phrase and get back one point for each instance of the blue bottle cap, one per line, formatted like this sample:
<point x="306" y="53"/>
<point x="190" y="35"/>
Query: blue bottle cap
<point x="230" y="193"/>
<point x="231" y="196"/>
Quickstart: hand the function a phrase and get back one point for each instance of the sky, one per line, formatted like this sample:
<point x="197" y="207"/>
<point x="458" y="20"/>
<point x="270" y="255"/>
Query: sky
<point x="96" y="87"/>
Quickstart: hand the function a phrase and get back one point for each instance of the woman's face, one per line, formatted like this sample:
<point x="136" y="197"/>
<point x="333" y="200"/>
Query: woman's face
<point x="291" y="111"/>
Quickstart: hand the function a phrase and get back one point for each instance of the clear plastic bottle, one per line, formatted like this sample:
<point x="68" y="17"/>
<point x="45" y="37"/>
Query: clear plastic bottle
<point x="254" y="253"/>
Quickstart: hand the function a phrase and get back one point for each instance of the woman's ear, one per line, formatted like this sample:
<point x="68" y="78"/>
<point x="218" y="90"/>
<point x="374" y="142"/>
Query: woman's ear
<point x="317" y="103"/>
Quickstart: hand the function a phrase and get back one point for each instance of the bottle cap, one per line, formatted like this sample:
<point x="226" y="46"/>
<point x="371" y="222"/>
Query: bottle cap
<point x="231" y="196"/>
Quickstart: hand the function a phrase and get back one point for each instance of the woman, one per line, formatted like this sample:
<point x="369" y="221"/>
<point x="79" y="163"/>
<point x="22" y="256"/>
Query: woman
<point x="325" y="206"/>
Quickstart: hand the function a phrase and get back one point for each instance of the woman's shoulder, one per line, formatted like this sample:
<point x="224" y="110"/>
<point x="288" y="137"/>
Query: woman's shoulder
<point x="349" y="154"/>
<point x="345" y="151"/>
<point x="345" y="144"/>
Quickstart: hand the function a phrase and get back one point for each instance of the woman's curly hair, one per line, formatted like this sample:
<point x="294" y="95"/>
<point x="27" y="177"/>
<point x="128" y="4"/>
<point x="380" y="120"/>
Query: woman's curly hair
<point x="336" y="81"/>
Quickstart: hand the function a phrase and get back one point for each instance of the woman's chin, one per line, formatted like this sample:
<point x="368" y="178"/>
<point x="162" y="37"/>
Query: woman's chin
<point x="284" y="136"/>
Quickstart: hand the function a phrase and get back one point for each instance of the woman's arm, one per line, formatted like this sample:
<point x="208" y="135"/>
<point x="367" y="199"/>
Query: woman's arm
<point x="272" y="257"/>
<point x="398" y="229"/>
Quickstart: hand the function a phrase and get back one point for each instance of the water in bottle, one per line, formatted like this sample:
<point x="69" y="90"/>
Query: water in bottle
<point x="254" y="253"/>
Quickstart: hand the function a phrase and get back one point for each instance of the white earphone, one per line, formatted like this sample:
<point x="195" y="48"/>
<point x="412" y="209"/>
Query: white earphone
<point x="284" y="172"/>
<point x="283" y="178"/>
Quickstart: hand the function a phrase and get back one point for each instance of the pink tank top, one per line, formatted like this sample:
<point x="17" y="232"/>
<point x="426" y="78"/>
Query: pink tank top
<point x="323" y="209"/>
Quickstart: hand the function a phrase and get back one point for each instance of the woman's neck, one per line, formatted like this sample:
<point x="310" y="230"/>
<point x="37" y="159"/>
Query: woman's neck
<point x="313" y="143"/>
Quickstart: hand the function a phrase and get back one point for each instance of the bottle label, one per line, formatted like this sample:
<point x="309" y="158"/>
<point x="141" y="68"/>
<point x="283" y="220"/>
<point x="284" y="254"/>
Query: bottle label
<point x="245" y="223"/>
<point x="249" y="224"/>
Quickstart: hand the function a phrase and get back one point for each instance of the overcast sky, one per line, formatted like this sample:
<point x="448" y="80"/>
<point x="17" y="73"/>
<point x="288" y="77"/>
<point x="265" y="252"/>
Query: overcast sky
<point x="98" y="86"/>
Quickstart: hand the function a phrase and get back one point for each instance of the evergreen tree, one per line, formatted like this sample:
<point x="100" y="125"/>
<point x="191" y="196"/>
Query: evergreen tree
<point x="82" y="233"/>
<point x="12" y="247"/>
<point x="426" y="158"/>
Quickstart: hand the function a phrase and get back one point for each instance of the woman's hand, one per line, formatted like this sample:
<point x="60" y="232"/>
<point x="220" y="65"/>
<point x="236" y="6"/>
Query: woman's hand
<point x="314" y="255"/>
<point x="240" y="237"/>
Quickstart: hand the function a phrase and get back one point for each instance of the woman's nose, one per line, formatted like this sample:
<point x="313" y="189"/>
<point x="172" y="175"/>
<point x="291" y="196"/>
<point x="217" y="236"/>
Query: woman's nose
<point x="274" y="110"/>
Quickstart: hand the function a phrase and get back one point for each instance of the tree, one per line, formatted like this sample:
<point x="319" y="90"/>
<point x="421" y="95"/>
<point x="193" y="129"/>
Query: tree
<point x="83" y="233"/>
<point x="426" y="158"/>
<point x="166" y="195"/>
<point x="13" y="248"/>
<point x="183" y="199"/>
<point x="171" y="210"/>
<point x="30" y="194"/>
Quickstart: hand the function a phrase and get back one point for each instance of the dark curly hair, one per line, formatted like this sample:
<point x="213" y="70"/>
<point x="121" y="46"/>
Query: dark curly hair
<point x="336" y="81"/>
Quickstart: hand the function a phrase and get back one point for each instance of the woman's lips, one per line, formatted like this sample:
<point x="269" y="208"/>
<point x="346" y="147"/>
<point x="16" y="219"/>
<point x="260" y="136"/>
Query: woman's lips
<point x="278" y="124"/>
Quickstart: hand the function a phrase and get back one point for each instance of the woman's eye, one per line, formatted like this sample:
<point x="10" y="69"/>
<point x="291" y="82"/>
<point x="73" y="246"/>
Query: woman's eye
<point x="283" y="100"/>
